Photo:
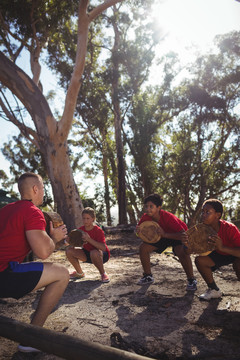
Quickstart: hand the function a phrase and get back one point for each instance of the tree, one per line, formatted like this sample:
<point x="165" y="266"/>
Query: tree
<point x="50" y="135"/>
<point x="203" y="161"/>
<point x="109" y="83"/>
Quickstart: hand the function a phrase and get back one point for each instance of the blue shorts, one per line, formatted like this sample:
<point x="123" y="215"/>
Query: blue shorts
<point x="220" y="260"/>
<point x="164" y="243"/>
<point x="19" y="279"/>
<point x="87" y="253"/>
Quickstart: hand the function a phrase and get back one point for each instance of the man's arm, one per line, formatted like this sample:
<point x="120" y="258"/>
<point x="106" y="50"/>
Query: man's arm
<point x="42" y="244"/>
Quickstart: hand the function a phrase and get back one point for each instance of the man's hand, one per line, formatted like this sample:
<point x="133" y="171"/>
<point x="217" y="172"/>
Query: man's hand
<point x="59" y="233"/>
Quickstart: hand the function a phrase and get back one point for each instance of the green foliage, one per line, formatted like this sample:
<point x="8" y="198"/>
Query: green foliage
<point x="24" y="157"/>
<point x="5" y="198"/>
<point x="182" y="142"/>
<point x="33" y="20"/>
<point x="204" y="155"/>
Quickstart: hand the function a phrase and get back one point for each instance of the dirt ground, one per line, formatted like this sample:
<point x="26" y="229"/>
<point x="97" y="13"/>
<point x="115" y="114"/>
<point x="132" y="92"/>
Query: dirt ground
<point x="160" y="321"/>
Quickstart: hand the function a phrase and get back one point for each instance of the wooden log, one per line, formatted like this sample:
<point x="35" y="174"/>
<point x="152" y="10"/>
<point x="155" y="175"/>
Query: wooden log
<point x="119" y="228"/>
<point x="65" y="346"/>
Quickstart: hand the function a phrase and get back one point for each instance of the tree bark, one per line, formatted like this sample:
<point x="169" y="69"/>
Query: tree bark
<point x="121" y="191"/>
<point x="50" y="135"/>
<point x="50" y="141"/>
<point x="106" y="186"/>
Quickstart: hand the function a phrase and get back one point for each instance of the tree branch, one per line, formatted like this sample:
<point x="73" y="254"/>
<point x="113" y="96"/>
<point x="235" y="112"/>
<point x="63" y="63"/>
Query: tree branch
<point x="100" y="8"/>
<point x="29" y="133"/>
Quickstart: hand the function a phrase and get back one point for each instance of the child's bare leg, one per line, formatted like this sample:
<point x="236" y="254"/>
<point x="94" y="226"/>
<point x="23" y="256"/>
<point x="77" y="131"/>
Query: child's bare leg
<point x="236" y="267"/>
<point x="55" y="278"/>
<point x="74" y="255"/>
<point x="97" y="260"/>
<point x="185" y="260"/>
<point x="204" y="264"/>
<point x="144" y="252"/>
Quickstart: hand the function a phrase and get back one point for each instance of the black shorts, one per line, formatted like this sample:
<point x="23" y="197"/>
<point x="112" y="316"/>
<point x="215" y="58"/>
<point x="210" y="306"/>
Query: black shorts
<point x="87" y="253"/>
<point x="19" y="279"/>
<point x="164" y="243"/>
<point x="220" y="260"/>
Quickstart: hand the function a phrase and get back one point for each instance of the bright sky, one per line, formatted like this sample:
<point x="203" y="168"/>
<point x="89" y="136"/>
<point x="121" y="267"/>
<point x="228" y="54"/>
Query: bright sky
<point x="190" y="22"/>
<point x="186" y="24"/>
<point x="191" y="25"/>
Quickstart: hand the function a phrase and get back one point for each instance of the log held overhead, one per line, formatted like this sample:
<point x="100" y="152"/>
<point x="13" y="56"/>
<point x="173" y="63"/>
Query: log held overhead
<point x="65" y="346"/>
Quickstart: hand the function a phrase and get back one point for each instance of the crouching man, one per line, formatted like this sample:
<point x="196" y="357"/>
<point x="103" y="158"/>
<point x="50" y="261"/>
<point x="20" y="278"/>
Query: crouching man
<point x="22" y="229"/>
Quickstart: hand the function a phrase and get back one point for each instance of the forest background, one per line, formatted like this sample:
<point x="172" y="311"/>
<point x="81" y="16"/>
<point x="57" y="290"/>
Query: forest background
<point x="124" y="118"/>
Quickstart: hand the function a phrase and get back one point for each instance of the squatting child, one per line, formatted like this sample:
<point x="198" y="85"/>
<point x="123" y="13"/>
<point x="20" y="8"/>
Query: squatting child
<point x="94" y="250"/>
<point x="173" y="234"/>
<point x="227" y="247"/>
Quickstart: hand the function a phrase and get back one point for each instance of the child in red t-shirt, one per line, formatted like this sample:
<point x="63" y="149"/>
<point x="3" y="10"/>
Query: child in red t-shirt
<point x="227" y="247"/>
<point x="173" y="233"/>
<point x="94" y="250"/>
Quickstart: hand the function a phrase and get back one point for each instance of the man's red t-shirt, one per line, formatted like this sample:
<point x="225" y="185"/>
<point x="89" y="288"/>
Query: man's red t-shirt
<point x="229" y="234"/>
<point x="96" y="234"/>
<point x="169" y="222"/>
<point x="15" y="219"/>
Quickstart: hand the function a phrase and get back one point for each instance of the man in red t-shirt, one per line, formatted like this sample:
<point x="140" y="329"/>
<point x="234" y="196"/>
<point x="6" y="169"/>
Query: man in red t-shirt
<point x="22" y="229"/>
<point x="227" y="247"/>
<point x="173" y="233"/>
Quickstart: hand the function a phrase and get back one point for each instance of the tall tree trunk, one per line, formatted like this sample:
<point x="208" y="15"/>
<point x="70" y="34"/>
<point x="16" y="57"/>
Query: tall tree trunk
<point x="106" y="187"/>
<point x="121" y="193"/>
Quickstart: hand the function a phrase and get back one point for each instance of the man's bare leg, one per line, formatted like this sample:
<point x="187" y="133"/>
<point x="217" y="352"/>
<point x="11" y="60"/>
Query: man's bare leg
<point x="55" y="278"/>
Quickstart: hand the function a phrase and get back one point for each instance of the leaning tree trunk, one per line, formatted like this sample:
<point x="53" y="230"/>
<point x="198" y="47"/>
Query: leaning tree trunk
<point x="49" y="139"/>
<point x="49" y="135"/>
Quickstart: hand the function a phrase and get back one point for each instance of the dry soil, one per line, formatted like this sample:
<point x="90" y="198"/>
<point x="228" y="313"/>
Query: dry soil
<point x="160" y="321"/>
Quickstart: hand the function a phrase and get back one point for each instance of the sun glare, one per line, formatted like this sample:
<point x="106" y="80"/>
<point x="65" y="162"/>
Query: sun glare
<point x="189" y="23"/>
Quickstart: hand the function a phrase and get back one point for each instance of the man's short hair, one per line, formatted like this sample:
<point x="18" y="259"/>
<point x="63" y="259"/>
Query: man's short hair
<point x="216" y="204"/>
<point x="25" y="176"/>
<point x="155" y="199"/>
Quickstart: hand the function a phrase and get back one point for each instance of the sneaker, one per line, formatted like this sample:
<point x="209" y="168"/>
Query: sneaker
<point x="146" y="279"/>
<point x="210" y="294"/>
<point x="191" y="285"/>
<point x="76" y="275"/>
<point x="27" y="349"/>
<point x="105" y="278"/>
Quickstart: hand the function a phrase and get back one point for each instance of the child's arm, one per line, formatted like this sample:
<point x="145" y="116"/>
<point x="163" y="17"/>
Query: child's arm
<point x="181" y="236"/>
<point x="217" y="241"/>
<point x="96" y="244"/>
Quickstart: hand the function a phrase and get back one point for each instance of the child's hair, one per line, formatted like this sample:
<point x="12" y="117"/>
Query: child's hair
<point x="155" y="199"/>
<point x="89" y="211"/>
<point x="216" y="204"/>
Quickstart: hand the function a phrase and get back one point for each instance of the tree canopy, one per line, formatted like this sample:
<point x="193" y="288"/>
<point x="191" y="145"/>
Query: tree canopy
<point x="178" y="139"/>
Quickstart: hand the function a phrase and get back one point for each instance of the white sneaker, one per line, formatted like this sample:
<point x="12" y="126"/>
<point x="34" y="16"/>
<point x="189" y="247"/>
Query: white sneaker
<point x="211" y="294"/>
<point x="27" y="349"/>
